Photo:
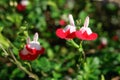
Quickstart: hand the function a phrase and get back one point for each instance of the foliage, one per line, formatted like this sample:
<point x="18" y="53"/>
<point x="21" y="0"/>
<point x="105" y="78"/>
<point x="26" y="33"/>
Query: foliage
<point x="61" y="60"/>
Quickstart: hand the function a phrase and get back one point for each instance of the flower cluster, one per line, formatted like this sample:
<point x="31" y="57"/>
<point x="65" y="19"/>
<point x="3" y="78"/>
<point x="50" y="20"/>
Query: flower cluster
<point x="22" y="5"/>
<point x="70" y="32"/>
<point x="32" y="49"/>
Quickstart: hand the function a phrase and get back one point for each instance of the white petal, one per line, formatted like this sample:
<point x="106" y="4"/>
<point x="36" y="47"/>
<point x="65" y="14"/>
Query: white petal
<point x="86" y="23"/>
<point x="71" y="20"/>
<point x="35" y="45"/>
<point x="66" y="28"/>
<point x="25" y="2"/>
<point x="82" y="29"/>
<point x="35" y="38"/>
<point x="104" y="40"/>
<point x="89" y="31"/>
<point x="69" y="27"/>
<point x="72" y="29"/>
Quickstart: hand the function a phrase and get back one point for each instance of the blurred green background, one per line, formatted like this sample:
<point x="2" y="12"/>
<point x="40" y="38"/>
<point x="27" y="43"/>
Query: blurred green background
<point x="60" y="60"/>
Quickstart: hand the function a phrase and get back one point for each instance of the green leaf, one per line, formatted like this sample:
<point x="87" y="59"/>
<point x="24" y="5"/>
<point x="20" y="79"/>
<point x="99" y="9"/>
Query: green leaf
<point x="4" y="41"/>
<point x="41" y="64"/>
<point x="44" y="64"/>
<point x="56" y="75"/>
<point x="50" y="53"/>
<point x="82" y="15"/>
<point x="17" y="73"/>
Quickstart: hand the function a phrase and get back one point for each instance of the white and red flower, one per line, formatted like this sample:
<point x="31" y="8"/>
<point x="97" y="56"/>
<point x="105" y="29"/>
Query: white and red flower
<point x="85" y="33"/>
<point x="103" y="43"/>
<point x="32" y="49"/>
<point x="68" y="32"/>
<point x="22" y="5"/>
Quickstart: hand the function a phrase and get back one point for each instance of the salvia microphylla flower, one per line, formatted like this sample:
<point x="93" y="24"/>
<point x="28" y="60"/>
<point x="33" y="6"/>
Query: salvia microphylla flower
<point x="32" y="49"/>
<point x="62" y="22"/>
<point x="115" y="38"/>
<point x="103" y="43"/>
<point x="68" y="32"/>
<point x="22" y="5"/>
<point x="85" y="33"/>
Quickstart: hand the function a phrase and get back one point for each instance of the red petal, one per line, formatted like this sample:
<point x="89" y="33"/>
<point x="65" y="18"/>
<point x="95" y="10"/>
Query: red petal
<point x="93" y="36"/>
<point x="85" y="36"/>
<point x="65" y="35"/>
<point x="41" y="51"/>
<point x="21" y="7"/>
<point x="101" y="46"/>
<point x="71" y="35"/>
<point x="33" y="51"/>
<point x="60" y="33"/>
<point x="28" y="56"/>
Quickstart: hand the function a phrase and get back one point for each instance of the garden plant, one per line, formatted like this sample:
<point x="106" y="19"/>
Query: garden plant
<point x="59" y="40"/>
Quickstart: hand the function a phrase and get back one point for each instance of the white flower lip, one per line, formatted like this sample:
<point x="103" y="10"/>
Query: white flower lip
<point x="85" y="27"/>
<point x="34" y="44"/>
<point x="104" y="40"/>
<point x="24" y="2"/>
<point x="71" y="26"/>
<point x="88" y="30"/>
<point x="86" y="23"/>
<point x="71" y="20"/>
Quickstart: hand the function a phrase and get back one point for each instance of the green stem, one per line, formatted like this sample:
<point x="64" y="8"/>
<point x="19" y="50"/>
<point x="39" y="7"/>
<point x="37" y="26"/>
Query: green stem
<point x="74" y="44"/>
<point x="19" y="65"/>
<point x="79" y="47"/>
<point x="6" y="54"/>
<point x="82" y="51"/>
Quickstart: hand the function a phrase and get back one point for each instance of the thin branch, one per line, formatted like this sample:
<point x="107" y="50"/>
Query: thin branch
<point x="6" y="54"/>
<point x="19" y="65"/>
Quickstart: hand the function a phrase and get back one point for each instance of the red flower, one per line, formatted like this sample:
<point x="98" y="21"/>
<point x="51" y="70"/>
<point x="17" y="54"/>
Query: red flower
<point x="68" y="32"/>
<point x="32" y="49"/>
<point x="85" y="33"/>
<point x="115" y="38"/>
<point x="103" y="43"/>
<point x="21" y="7"/>
<point x="62" y="22"/>
<point x="101" y="46"/>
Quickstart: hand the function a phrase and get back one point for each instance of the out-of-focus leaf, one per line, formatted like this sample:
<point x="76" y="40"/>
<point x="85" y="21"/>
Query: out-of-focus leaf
<point x="5" y="42"/>
<point x="102" y="77"/>
<point x="50" y="53"/>
<point x="82" y="15"/>
<point x="17" y="73"/>
<point x="42" y="64"/>
<point x="56" y="75"/>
